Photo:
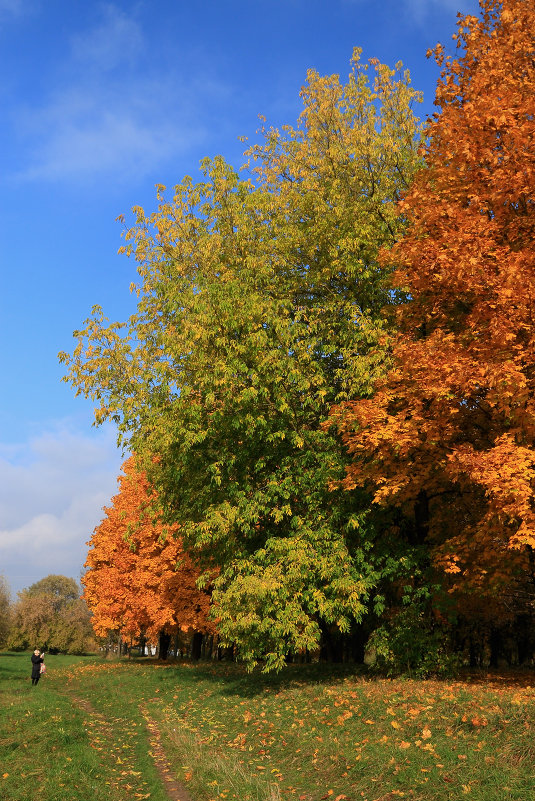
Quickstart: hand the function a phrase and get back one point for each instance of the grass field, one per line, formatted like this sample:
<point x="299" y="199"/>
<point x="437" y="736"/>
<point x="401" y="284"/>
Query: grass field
<point x="94" y="730"/>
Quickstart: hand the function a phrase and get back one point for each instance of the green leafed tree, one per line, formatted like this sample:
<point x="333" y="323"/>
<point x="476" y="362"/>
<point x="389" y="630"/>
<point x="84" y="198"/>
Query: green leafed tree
<point x="60" y="589"/>
<point x="260" y="304"/>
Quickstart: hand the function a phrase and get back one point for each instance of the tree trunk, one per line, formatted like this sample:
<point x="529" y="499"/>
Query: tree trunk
<point x="196" y="645"/>
<point x="164" y="643"/>
<point x="495" y="642"/>
<point x="330" y="645"/>
<point x="421" y="517"/>
<point x="357" y="643"/>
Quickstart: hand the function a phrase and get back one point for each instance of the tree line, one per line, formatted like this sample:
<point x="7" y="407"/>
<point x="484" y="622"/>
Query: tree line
<point x="49" y="614"/>
<point x="327" y="384"/>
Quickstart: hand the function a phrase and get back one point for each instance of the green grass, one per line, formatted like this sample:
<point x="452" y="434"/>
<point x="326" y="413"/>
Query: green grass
<point x="52" y="748"/>
<point x="313" y="732"/>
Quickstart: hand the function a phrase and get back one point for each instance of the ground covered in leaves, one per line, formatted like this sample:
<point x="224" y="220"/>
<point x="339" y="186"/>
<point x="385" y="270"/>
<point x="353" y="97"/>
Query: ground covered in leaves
<point x="310" y="733"/>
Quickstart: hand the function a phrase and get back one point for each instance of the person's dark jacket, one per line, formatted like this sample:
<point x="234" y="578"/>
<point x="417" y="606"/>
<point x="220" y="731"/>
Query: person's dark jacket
<point x="36" y="665"/>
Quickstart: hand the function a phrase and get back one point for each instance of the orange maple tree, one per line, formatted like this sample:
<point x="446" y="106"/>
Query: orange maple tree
<point x="448" y="435"/>
<point x="138" y="579"/>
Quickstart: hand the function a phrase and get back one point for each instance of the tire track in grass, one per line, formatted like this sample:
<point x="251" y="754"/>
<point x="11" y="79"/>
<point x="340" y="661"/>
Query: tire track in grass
<point x="175" y="791"/>
<point x="102" y="738"/>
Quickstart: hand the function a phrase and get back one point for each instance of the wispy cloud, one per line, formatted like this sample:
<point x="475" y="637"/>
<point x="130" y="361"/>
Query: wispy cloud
<point x="422" y="9"/>
<point x="109" y="113"/>
<point x="11" y="7"/>
<point x="52" y="491"/>
<point x="88" y="133"/>
<point x="117" y="39"/>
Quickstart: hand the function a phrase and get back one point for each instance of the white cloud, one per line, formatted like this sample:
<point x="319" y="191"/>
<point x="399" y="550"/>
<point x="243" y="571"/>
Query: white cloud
<point x="98" y="135"/>
<point x="52" y="491"/>
<point x="109" y="113"/>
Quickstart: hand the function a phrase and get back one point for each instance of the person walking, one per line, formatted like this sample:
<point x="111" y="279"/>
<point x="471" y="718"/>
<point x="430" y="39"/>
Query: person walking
<point x="37" y="660"/>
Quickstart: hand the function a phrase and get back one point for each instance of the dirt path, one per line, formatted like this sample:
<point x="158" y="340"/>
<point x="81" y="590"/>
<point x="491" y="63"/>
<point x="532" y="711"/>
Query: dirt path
<point x="101" y="736"/>
<point x="175" y="791"/>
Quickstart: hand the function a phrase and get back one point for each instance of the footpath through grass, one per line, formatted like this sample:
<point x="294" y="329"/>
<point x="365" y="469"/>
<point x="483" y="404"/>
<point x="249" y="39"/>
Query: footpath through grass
<point x="311" y="733"/>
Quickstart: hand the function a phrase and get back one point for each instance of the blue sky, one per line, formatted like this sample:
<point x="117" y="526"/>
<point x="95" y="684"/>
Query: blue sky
<point x="101" y="101"/>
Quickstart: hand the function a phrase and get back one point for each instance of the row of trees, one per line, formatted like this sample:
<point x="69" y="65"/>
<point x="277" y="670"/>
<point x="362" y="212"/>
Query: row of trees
<point x="49" y="614"/>
<point x="328" y="379"/>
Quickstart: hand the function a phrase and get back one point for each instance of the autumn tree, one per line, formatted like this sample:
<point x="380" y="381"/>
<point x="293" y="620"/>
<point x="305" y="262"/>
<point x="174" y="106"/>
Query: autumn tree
<point x="50" y="614"/>
<point x="5" y="610"/>
<point x="260" y="305"/>
<point x="448" y="435"/>
<point x="138" y="581"/>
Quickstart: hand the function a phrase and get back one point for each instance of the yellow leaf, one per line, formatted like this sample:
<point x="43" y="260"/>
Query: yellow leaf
<point x="516" y="699"/>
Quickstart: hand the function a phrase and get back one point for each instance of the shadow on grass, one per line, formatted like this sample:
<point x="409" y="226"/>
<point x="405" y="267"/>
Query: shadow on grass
<point x="233" y="679"/>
